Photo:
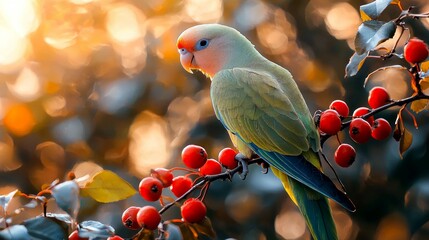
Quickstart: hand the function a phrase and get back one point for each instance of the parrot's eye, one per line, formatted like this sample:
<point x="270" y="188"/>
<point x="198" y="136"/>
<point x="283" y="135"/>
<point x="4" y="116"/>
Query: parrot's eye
<point x="203" y="43"/>
<point x="183" y="51"/>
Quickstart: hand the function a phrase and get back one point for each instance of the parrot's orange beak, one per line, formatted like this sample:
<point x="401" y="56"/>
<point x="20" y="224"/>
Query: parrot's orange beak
<point x="187" y="58"/>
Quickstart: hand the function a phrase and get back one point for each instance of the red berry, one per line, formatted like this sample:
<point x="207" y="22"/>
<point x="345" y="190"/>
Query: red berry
<point x="164" y="175"/>
<point x="129" y="218"/>
<point x="378" y="96"/>
<point x="345" y="155"/>
<point x="75" y="236"/>
<point x="341" y="107"/>
<point x="415" y="51"/>
<point x="211" y="167"/>
<point x="227" y="158"/>
<point x="193" y="210"/>
<point x="150" y="189"/>
<point x="116" y="237"/>
<point x="381" y="129"/>
<point x="360" y="130"/>
<point x="194" y="156"/>
<point x="362" y="111"/>
<point x="330" y="122"/>
<point x="148" y="217"/>
<point x="180" y="185"/>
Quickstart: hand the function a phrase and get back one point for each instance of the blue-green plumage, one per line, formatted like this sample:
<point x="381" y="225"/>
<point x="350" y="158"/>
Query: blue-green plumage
<point x="264" y="112"/>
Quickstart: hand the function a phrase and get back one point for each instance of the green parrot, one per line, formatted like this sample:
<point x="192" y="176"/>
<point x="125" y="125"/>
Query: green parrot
<point x="261" y="107"/>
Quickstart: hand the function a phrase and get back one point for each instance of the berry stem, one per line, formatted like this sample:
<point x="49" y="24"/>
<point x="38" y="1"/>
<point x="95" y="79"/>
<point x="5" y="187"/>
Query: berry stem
<point x="210" y="178"/>
<point x="402" y="102"/>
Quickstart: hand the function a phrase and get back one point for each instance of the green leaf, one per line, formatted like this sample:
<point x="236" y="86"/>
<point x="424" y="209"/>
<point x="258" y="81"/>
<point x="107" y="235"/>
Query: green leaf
<point x="371" y="33"/>
<point x="372" y="10"/>
<point x="15" y="232"/>
<point x="355" y="63"/>
<point x="44" y="228"/>
<point x="66" y="195"/>
<point x="108" y="187"/>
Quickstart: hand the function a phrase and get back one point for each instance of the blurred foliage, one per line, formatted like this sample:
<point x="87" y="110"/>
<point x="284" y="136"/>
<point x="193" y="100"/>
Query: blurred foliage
<point x="90" y="83"/>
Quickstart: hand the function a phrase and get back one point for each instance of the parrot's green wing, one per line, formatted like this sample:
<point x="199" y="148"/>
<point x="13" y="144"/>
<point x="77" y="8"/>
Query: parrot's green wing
<point x="252" y="105"/>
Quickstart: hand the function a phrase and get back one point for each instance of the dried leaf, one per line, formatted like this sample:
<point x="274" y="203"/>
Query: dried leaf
<point x="187" y="231"/>
<point x="205" y="227"/>
<point x="383" y="69"/>
<point x="107" y="187"/>
<point x="405" y="142"/>
<point x="419" y="105"/>
<point x="371" y="33"/>
<point x="355" y="63"/>
<point x="424" y="66"/>
<point x="402" y="135"/>
<point x="372" y="10"/>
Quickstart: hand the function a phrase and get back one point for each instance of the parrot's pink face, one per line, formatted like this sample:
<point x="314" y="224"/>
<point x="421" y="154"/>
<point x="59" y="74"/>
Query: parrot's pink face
<point x="200" y="49"/>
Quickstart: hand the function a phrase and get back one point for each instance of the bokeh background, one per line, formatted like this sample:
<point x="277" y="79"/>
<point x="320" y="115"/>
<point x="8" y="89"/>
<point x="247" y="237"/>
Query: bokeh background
<point x="90" y="84"/>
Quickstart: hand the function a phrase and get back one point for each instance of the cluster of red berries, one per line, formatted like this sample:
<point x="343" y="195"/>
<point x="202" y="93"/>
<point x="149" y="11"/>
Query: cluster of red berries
<point x="361" y="127"/>
<point x="151" y="188"/>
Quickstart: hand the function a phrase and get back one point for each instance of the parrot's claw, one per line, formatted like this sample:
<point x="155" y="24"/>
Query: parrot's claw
<point x="242" y="160"/>
<point x="265" y="167"/>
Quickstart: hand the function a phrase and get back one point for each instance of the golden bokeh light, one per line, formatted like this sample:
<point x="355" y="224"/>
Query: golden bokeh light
<point x="340" y="26"/>
<point x="393" y="227"/>
<point x="8" y="160"/>
<point x="26" y="87"/>
<point x="55" y="106"/>
<point x="290" y="224"/>
<point x="124" y="23"/>
<point x="204" y="11"/>
<point x="19" y="119"/>
<point x="20" y="15"/>
<point x="13" y="50"/>
<point x="149" y="143"/>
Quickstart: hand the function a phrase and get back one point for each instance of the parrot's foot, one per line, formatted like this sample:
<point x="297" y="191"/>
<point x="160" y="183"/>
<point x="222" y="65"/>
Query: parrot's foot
<point x="242" y="160"/>
<point x="265" y="167"/>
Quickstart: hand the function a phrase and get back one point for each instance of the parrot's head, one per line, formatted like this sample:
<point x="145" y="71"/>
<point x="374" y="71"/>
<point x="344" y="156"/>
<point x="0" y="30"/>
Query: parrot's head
<point x="211" y="48"/>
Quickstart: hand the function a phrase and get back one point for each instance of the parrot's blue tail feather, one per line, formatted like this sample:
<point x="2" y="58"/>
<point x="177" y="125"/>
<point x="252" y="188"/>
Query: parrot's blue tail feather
<point x="316" y="212"/>
<point x="302" y="170"/>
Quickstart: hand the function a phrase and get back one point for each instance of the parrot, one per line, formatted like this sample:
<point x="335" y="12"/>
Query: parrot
<point x="260" y="105"/>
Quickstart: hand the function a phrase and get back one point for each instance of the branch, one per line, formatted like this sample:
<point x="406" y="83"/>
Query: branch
<point x="402" y="102"/>
<point x="227" y="175"/>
